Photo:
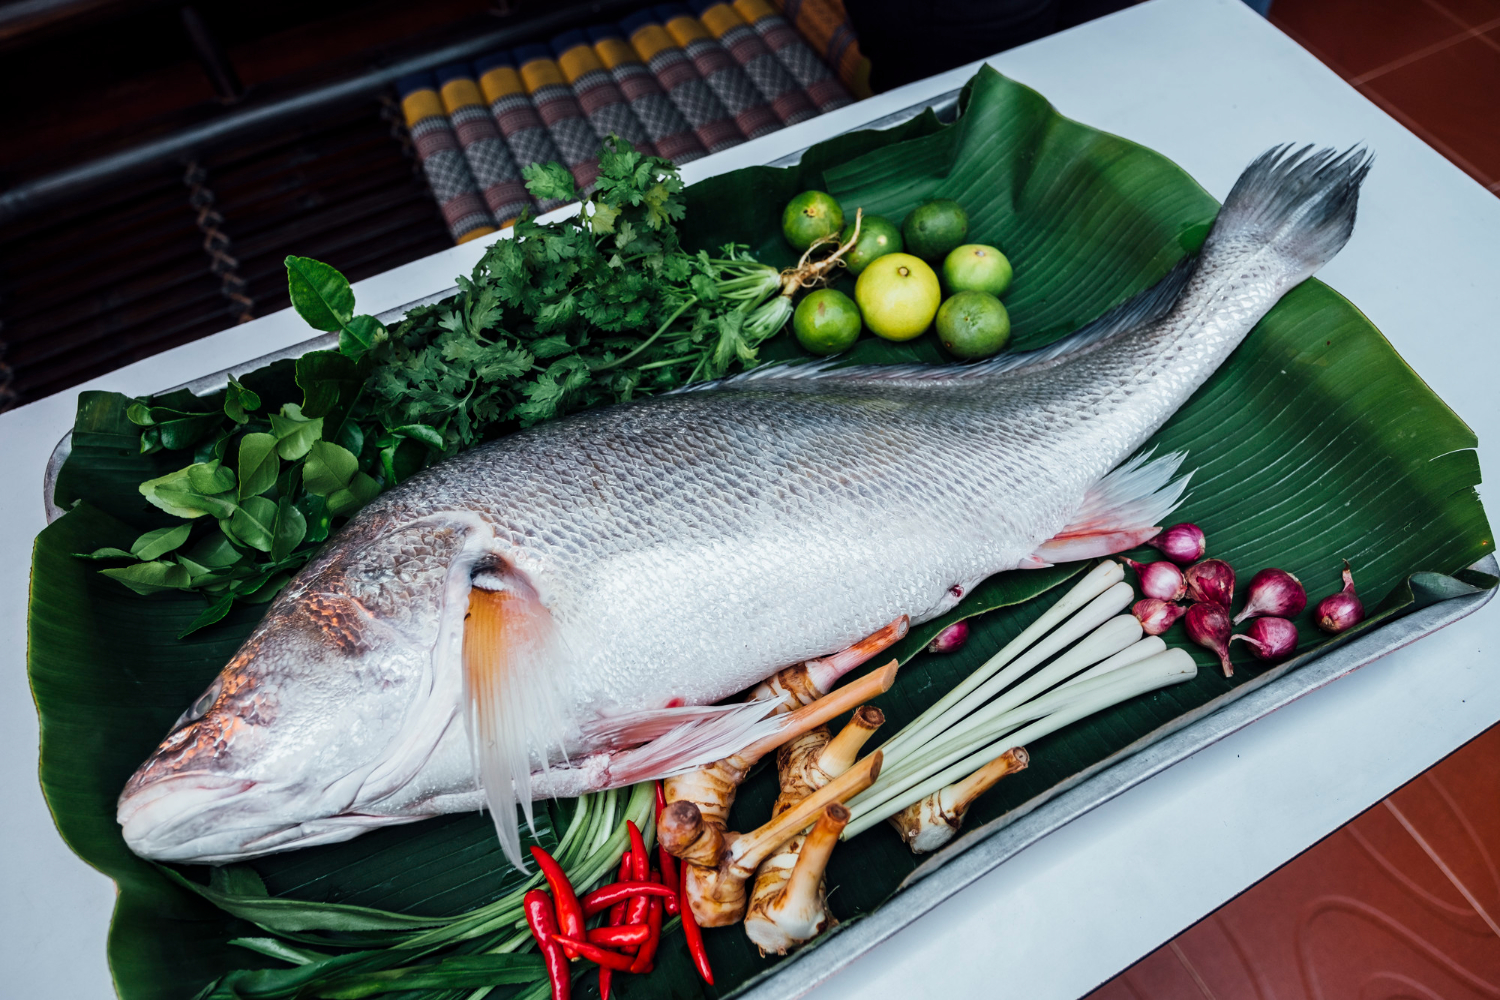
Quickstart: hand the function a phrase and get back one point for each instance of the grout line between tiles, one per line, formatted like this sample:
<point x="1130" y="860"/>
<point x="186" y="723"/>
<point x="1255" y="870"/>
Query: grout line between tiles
<point x="1208" y="994"/>
<point x="1422" y="53"/>
<point x="1421" y="132"/>
<point x="1442" y="865"/>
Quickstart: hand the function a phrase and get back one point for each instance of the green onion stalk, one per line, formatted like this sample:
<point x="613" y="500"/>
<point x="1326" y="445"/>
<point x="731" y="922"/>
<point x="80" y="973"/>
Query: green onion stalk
<point x="399" y="946"/>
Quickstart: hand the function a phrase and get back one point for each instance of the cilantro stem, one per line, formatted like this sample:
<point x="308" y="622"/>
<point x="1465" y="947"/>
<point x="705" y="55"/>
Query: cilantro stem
<point x="691" y="301"/>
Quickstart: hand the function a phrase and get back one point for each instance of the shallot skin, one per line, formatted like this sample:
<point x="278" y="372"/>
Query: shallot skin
<point x="1273" y="592"/>
<point x="1160" y="579"/>
<point x="1342" y="611"/>
<point x="950" y="639"/>
<point x="1207" y="624"/>
<point x="1270" y="638"/>
<point x="1157" y="615"/>
<point x="1184" y="544"/>
<point x="1211" y="580"/>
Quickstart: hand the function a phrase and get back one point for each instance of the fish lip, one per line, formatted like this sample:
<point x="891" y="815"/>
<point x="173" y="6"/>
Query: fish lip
<point x="155" y="816"/>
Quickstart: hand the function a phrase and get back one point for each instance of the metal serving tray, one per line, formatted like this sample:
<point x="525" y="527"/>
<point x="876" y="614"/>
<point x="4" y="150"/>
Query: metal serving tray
<point x="981" y="850"/>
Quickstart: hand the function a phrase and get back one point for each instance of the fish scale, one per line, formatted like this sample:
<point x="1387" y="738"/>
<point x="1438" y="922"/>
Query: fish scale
<point x="676" y="550"/>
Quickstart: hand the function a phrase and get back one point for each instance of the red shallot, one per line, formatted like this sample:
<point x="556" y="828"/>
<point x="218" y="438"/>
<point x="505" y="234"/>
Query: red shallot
<point x="1270" y="638"/>
<point x="1161" y="579"/>
<point x="1343" y="610"/>
<point x="950" y="639"/>
<point x="1207" y="624"/>
<point x="1157" y="615"/>
<point x="1211" y="580"/>
<point x="1273" y="592"/>
<point x="1182" y="543"/>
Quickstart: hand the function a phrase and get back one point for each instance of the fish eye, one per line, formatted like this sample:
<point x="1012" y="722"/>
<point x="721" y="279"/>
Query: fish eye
<point x="199" y="708"/>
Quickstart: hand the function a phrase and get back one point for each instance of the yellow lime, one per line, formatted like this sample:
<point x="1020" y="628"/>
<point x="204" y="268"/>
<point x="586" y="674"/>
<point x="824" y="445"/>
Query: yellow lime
<point x="878" y="236"/>
<point x="975" y="267"/>
<point x="898" y="295"/>
<point x="931" y="231"/>
<point x="973" y="325"/>
<point x="827" y="322"/>
<point x="809" y="217"/>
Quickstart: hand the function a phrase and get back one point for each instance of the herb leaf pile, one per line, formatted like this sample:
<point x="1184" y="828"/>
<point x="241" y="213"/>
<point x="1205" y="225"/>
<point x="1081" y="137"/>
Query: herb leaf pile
<point x="598" y="308"/>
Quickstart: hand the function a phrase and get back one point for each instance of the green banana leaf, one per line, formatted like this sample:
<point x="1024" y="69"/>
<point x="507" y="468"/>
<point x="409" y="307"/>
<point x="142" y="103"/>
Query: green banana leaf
<point x="1313" y="444"/>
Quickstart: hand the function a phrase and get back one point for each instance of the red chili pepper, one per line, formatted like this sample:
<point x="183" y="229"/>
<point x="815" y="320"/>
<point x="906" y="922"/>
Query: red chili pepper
<point x="541" y="917"/>
<point x="636" y="909"/>
<point x="619" y="937"/>
<point x="569" y="912"/>
<point x="693" y="933"/>
<point x="661" y="799"/>
<point x="668" y="878"/>
<point x="595" y="953"/>
<point x="616" y="917"/>
<point x="644" y="959"/>
<point x="607" y="896"/>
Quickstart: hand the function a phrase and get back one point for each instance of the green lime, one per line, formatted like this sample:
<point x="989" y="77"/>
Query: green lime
<point x="975" y="267"/>
<point x="809" y="217"/>
<point x="973" y="325"/>
<point x="898" y="295"/>
<point x="827" y="322"/>
<point x="878" y="236"/>
<point x="932" y="230"/>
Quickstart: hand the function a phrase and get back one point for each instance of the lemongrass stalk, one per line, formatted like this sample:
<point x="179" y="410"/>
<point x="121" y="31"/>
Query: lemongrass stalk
<point x="1095" y="582"/>
<point x="1147" y="647"/>
<point x="1095" y="613"/>
<point x="931" y="761"/>
<point x="1171" y="667"/>
<point x="1114" y="636"/>
<point x="1103" y="644"/>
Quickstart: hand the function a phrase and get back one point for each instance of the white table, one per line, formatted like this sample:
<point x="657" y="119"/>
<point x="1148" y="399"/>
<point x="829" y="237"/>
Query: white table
<point x="1210" y="85"/>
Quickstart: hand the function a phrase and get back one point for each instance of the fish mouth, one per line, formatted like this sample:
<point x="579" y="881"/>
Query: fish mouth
<point x="201" y="818"/>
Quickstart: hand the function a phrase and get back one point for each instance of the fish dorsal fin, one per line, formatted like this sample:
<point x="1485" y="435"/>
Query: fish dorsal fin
<point x="1119" y="512"/>
<point x="1145" y="307"/>
<point x="512" y="665"/>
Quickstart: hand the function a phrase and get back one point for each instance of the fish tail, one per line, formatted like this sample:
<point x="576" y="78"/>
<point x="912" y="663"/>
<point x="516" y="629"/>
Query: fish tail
<point x="1299" y="204"/>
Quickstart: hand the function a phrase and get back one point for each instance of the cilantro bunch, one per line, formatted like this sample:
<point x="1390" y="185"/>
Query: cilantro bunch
<point x="594" y="309"/>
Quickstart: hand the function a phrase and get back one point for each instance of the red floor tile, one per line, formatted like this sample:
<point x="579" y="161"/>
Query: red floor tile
<point x="1455" y="97"/>
<point x="1472" y="13"/>
<point x="1357" y="36"/>
<point x="1370" y="913"/>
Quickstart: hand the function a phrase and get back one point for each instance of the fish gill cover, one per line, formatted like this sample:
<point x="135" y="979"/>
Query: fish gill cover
<point x="1313" y="443"/>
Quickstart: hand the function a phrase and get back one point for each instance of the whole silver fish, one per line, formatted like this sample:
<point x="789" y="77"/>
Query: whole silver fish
<point x="665" y="554"/>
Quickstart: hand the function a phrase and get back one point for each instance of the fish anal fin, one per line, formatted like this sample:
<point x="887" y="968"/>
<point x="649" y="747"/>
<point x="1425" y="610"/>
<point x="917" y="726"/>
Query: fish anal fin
<point x="1121" y="511"/>
<point x="1072" y="548"/>
<point x="513" y="705"/>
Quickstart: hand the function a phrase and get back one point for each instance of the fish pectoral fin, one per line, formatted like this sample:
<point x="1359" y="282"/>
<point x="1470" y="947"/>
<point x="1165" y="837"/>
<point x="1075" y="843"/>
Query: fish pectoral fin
<point x="1121" y="511"/>
<point x="513" y="702"/>
<point x="680" y="739"/>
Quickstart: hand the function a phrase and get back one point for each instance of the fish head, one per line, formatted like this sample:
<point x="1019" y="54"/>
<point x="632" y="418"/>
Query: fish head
<point x="330" y="707"/>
